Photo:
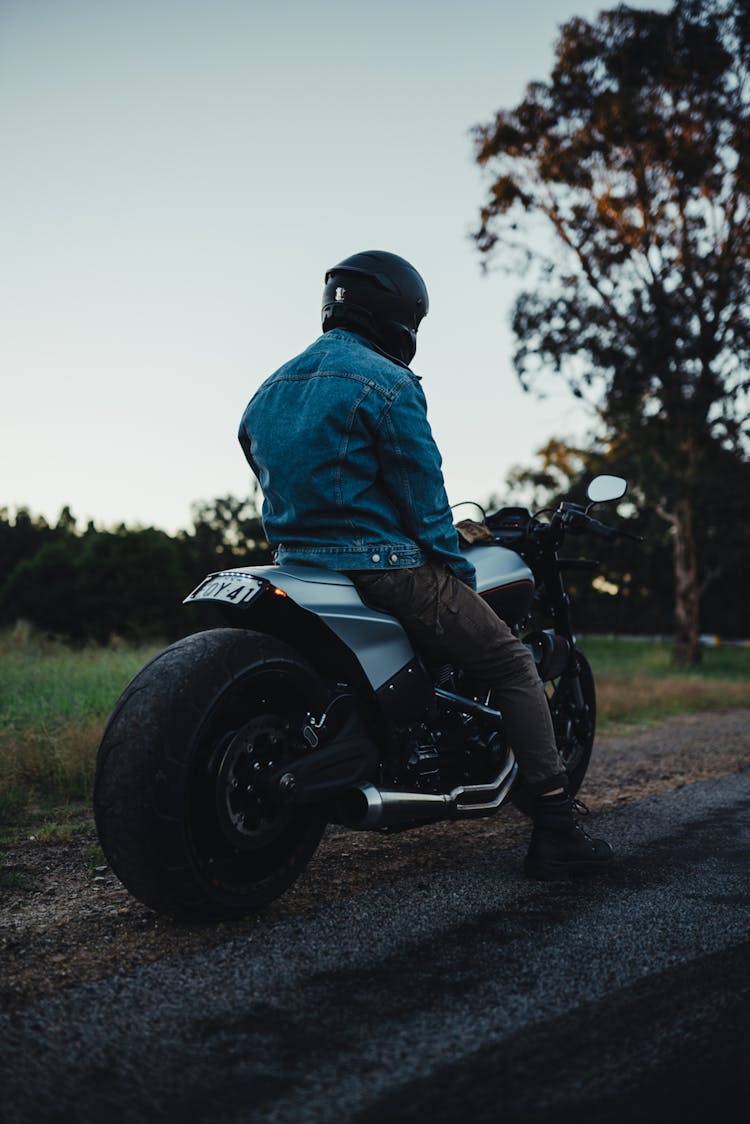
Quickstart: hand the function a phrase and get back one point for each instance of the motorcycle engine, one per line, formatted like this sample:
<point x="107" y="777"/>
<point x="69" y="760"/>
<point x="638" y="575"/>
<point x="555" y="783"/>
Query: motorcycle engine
<point x="468" y="754"/>
<point x="471" y="751"/>
<point x="422" y="760"/>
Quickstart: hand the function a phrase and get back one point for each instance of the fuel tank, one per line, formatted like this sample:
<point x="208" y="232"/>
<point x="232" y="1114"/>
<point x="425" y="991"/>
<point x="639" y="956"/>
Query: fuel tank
<point x="504" y="581"/>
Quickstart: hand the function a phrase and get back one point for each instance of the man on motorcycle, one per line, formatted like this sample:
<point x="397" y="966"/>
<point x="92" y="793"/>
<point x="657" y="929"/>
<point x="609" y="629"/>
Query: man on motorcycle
<point x="351" y="476"/>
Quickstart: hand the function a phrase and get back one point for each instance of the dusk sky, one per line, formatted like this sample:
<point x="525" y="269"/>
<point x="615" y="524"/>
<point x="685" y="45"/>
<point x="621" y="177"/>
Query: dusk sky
<point x="177" y="176"/>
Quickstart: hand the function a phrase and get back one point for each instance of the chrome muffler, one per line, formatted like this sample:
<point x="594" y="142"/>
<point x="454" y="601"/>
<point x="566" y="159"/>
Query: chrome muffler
<point x="367" y="807"/>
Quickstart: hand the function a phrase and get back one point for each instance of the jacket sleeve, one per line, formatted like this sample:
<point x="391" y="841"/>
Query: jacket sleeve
<point x="412" y="473"/>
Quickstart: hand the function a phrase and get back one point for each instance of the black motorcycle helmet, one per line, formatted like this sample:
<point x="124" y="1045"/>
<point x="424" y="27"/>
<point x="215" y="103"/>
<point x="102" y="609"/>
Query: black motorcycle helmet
<point x="380" y="296"/>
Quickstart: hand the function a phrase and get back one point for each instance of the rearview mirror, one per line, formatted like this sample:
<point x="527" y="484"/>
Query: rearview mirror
<point x="603" y="488"/>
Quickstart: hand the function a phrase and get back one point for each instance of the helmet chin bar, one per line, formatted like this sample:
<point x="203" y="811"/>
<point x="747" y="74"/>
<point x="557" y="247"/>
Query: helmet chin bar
<point x="400" y="341"/>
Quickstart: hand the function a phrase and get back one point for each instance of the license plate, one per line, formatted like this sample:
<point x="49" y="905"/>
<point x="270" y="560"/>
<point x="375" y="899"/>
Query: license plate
<point x="237" y="589"/>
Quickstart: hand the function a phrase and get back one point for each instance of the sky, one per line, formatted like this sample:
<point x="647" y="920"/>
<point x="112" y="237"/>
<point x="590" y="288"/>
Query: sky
<point x="178" y="175"/>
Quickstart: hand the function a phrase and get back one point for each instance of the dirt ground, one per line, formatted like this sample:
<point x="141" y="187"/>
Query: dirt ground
<point x="65" y="921"/>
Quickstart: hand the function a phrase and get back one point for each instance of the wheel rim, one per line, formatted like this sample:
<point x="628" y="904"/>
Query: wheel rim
<point x="574" y="726"/>
<point x="238" y="839"/>
<point x="250" y="815"/>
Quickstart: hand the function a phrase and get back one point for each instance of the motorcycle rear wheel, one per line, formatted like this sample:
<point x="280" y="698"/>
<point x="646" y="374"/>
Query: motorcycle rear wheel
<point x="180" y="808"/>
<point x="574" y="720"/>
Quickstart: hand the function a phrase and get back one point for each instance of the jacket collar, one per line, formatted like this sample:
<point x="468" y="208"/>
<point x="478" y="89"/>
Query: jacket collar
<point x="345" y="333"/>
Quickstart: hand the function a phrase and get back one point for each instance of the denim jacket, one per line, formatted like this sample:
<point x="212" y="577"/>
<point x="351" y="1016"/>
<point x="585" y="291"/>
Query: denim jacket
<point x="351" y="475"/>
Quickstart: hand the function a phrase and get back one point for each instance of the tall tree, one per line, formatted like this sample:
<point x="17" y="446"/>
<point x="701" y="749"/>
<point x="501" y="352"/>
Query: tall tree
<point x="636" y="155"/>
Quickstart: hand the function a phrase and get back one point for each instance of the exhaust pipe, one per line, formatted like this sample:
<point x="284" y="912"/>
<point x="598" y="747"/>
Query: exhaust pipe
<point x="367" y="807"/>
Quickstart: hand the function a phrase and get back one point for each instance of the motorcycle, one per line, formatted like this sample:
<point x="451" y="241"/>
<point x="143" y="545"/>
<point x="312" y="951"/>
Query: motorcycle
<point x="229" y="753"/>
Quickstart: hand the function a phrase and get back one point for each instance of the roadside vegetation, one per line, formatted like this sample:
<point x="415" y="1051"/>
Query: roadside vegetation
<point x="637" y="681"/>
<point x="55" y="700"/>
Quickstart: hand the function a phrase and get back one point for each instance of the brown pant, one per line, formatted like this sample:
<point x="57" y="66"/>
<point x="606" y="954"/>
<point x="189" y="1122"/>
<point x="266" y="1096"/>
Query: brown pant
<point x="448" y="622"/>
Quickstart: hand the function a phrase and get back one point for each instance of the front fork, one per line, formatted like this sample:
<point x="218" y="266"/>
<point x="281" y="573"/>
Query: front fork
<point x="559" y="607"/>
<point x="575" y="680"/>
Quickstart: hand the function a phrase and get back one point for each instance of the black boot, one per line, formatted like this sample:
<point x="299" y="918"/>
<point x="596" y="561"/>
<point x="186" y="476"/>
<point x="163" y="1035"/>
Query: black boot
<point x="559" y="846"/>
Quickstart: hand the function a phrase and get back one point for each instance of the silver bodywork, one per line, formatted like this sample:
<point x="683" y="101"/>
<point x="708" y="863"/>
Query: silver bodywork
<point x="496" y="566"/>
<point x="376" y="639"/>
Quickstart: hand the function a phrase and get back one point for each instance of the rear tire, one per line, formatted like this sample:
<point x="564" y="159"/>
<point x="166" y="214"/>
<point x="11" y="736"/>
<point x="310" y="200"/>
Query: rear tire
<point x="574" y="720"/>
<point x="181" y="754"/>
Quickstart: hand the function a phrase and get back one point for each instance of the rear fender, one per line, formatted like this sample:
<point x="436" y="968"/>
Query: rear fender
<point x="322" y="615"/>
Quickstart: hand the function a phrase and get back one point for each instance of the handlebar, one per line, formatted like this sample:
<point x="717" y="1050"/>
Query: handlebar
<point x="572" y="519"/>
<point x="595" y="527"/>
<point x="512" y="526"/>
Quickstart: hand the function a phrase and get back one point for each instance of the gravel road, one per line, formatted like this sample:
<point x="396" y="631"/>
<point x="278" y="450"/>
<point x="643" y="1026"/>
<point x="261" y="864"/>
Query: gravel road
<point x="460" y="994"/>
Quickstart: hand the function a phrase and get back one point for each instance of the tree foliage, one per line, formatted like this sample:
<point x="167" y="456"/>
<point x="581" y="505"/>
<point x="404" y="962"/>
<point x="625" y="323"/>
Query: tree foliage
<point x="636" y="155"/>
<point x="632" y="591"/>
<point x="128" y="582"/>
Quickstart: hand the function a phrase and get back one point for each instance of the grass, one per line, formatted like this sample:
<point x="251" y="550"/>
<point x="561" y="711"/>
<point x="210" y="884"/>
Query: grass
<point x="54" y="702"/>
<point x="636" y="681"/>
